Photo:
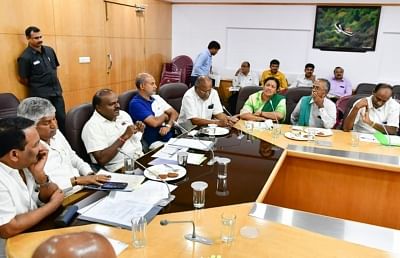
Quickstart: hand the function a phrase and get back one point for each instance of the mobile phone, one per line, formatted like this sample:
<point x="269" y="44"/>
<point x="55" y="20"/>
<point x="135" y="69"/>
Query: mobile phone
<point x="114" y="185"/>
<point x="108" y="186"/>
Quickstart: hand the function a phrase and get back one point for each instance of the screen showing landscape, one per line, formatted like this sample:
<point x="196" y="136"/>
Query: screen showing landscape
<point x="346" y="28"/>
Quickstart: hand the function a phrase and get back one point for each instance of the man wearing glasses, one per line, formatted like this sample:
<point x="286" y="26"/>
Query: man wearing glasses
<point x="37" y="68"/>
<point x="315" y="110"/>
<point x="201" y="106"/>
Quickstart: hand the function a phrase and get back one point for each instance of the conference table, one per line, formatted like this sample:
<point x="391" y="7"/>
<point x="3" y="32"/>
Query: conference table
<point x="283" y="177"/>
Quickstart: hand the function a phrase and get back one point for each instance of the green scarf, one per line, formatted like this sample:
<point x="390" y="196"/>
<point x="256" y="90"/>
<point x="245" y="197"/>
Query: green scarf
<point x="276" y="98"/>
<point x="305" y="110"/>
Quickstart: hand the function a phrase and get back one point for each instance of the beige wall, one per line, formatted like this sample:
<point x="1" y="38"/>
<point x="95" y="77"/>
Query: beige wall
<point x="74" y="28"/>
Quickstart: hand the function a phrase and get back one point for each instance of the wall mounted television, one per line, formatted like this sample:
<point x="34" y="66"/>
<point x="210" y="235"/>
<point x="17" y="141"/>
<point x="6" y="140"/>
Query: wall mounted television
<point x="346" y="28"/>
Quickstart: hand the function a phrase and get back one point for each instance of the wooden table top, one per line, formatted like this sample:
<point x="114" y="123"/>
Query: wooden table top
<point x="274" y="240"/>
<point x="340" y="140"/>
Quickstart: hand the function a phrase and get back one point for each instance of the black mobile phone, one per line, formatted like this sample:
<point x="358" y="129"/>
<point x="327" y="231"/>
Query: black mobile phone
<point x="114" y="185"/>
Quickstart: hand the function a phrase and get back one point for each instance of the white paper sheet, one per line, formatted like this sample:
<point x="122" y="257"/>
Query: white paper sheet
<point x="191" y="143"/>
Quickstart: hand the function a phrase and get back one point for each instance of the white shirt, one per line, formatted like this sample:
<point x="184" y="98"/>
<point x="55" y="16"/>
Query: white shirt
<point x="319" y="117"/>
<point x="100" y="133"/>
<point x="16" y="197"/>
<point x="388" y="114"/>
<point x="63" y="163"/>
<point x="194" y="107"/>
<point x="159" y="105"/>
<point x="241" y="80"/>
<point x="302" y="81"/>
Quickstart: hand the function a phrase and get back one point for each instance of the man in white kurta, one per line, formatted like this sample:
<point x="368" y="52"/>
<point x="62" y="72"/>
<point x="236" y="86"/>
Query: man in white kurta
<point x="378" y="112"/>
<point x="22" y="190"/>
<point x="109" y="135"/>
<point x="201" y="106"/>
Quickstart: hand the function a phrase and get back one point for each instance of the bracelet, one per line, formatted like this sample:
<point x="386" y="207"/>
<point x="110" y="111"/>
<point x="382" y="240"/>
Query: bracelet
<point x="121" y="139"/>
<point x="373" y="123"/>
<point x="75" y="181"/>
<point x="168" y="125"/>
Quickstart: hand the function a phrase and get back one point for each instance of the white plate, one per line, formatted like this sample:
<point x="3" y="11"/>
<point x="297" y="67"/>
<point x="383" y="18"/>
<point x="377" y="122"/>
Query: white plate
<point x="164" y="169"/>
<point x="322" y="132"/>
<point x="218" y="131"/>
<point x="298" y="136"/>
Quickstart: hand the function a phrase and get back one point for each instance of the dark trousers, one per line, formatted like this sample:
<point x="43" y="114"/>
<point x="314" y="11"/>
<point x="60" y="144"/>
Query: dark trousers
<point x="232" y="102"/>
<point x="58" y="103"/>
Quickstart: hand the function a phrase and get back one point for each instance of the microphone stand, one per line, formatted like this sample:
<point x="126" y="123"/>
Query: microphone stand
<point x="191" y="237"/>
<point x="213" y="158"/>
<point x="165" y="201"/>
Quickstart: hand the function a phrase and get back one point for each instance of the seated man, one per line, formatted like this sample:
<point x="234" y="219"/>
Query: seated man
<point x="340" y="86"/>
<point x="109" y="135"/>
<point x="315" y="110"/>
<point x="154" y="111"/>
<point x="22" y="190"/>
<point x="378" y="112"/>
<point x="63" y="166"/>
<point x="274" y="72"/>
<point x="243" y="77"/>
<point x="306" y="80"/>
<point x="265" y="104"/>
<point x="75" y="245"/>
<point x="201" y="106"/>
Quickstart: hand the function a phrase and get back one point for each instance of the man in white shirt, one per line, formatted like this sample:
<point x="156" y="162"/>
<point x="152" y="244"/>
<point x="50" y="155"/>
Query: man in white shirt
<point x="306" y="80"/>
<point x="22" y="190"/>
<point x="201" y="106"/>
<point x="243" y="77"/>
<point x="63" y="166"/>
<point x="110" y="132"/>
<point x="315" y="110"/>
<point x="378" y="112"/>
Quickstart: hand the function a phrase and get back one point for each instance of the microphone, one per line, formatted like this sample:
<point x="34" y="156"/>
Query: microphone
<point x="273" y="110"/>
<point x="192" y="237"/>
<point x="165" y="201"/>
<point x="213" y="158"/>
<point x="226" y="110"/>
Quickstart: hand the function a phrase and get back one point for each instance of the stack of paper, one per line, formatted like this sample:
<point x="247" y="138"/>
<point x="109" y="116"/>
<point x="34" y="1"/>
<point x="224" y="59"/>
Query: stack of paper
<point x="168" y="155"/>
<point x="118" y="208"/>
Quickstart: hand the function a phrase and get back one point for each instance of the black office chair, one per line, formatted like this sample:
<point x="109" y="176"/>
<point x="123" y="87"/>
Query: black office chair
<point x="125" y="98"/>
<point x="173" y="93"/>
<point x="293" y="95"/>
<point x="244" y="94"/>
<point x="396" y="92"/>
<point x="8" y="105"/>
<point x="364" y="88"/>
<point x="74" y="121"/>
<point x="350" y="104"/>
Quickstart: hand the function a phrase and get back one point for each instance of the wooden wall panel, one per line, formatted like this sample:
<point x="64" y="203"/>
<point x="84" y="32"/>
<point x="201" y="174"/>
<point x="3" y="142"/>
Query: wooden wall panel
<point x="157" y="14"/>
<point x="74" y="75"/>
<point x="77" y="28"/>
<point x="368" y="195"/>
<point x="156" y="55"/>
<point x="124" y="22"/>
<point x="17" y="15"/>
<point x="77" y="17"/>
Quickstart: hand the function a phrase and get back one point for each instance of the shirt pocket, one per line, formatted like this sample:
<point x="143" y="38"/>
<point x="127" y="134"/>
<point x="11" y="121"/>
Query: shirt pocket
<point x="37" y="67"/>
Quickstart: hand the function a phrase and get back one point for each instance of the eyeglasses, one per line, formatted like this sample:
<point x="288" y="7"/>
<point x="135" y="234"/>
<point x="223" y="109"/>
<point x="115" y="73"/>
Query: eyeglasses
<point x="37" y="37"/>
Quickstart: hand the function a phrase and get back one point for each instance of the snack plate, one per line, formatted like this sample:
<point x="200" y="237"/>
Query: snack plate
<point x="164" y="169"/>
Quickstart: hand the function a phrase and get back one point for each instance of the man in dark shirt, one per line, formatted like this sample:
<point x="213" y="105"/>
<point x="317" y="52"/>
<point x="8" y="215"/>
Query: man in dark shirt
<point x="37" y="67"/>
